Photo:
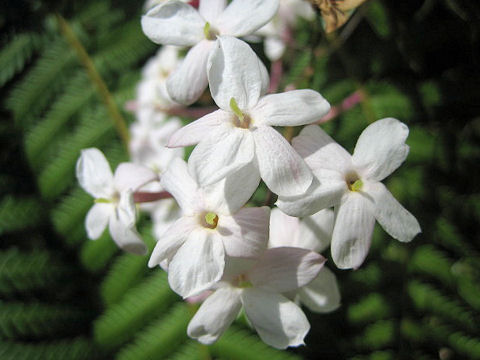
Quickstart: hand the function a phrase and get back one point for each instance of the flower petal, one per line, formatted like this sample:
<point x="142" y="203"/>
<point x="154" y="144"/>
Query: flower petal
<point x="279" y="322"/>
<point x="234" y="72"/>
<point x="188" y="81"/>
<point x="243" y="17"/>
<point x="316" y="231"/>
<point x="223" y="152"/>
<point x="132" y="176"/>
<point x="211" y="9"/>
<point x="178" y="182"/>
<point x="245" y="233"/>
<point x="94" y="173"/>
<point x="283" y="229"/>
<point x="198" y="264"/>
<point x="322" y="294"/>
<point x="381" y="148"/>
<point x="282" y="169"/>
<point x="215" y="315"/>
<point x="354" y="222"/>
<point x="231" y="193"/>
<point x="318" y="196"/>
<point x="391" y="215"/>
<point x="122" y="226"/>
<point x="291" y="108"/>
<point x="320" y="151"/>
<point x="284" y="269"/>
<point x="97" y="219"/>
<point x="198" y="130"/>
<point x="171" y="240"/>
<point x="173" y="23"/>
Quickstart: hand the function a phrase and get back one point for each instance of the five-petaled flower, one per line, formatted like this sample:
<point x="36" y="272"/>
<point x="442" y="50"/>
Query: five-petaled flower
<point x="177" y="23"/>
<point x="352" y="184"/>
<point x="114" y="204"/>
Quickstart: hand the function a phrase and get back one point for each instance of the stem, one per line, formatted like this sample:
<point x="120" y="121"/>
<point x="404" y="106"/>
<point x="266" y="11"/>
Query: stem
<point x="142" y="196"/>
<point x="118" y="121"/>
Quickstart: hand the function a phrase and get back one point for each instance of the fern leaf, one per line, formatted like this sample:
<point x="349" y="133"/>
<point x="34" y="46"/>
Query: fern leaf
<point x="27" y="272"/>
<point x="16" y="54"/>
<point x="140" y="305"/>
<point x="161" y="338"/>
<point x="37" y="320"/>
<point x="96" y="254"/>
<point x="19" y="213"/>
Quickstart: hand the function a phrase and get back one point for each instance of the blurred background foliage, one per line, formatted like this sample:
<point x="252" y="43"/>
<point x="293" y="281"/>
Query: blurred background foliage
<point x="65" y="297"/>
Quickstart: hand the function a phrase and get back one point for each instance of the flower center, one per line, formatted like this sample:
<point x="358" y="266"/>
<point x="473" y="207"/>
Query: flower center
<point x="353" y="181"/>
<point x="242" y="121"/>
<point x="242" y="281"/>
<point x="209" y="32"/>
<point x="209" y="220"/>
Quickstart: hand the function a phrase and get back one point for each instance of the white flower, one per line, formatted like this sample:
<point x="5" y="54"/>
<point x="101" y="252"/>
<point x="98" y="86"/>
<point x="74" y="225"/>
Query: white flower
<point x="258" y="287"/>
<point x="213" y="224"/>
<point x="114" y="205"/>
<point x="241" y="132"/>
<point x="311" y="233"/>
<point x="177" y="23"/>
<point x="152" y="95"/>
<point x="352" y="184"/>
<point x="279" y="27"/>
<point x="149" y="139"/>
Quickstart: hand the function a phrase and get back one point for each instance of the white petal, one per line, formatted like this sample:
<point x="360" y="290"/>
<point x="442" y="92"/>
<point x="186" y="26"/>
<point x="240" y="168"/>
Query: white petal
<point x="173" y="23"/>
<point x="391" y="215"/>
<point x="198" y="264"/>
<point x="320" y="151"/>
<point x="231" y="193"/>
<point x="322" y="294"/>
<point x="171" y="240"/>
<point x="97" y="219"/>
<point x="283" y="229"/>
<point x="282" y="169"/>
<point x="223" y="152"/>
<point x="317" y="197"/>
<point x="122" y="226"/>
<point x="279" y="322"/>
<point x="211" y="9"/>
<point x="265" y="77"/>
<point x="354" y="222"/>
<point x="234" y="72"/>
<point x="284" y="269"/>
<point x="215" y="315"/>
<point x="132" y="176"/>
<point x="198" y="130"/>
<point x="243" y="17"/>
<point x="291" y="108"/>
<point x="381" y="148"/>
<point x="274" y="47"/>
<point x="189" y="80"/>
<point x="245" y="234"/>
<point x="316" y="231"/>
<point x="94" y="173"/>
<point x="178" y="182"/>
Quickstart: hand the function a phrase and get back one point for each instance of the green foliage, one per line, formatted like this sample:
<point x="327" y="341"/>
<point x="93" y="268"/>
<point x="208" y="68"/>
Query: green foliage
<point x="19" y="213"/>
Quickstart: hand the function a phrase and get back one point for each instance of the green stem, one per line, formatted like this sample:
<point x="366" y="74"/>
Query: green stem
<point x="107" y="98"/>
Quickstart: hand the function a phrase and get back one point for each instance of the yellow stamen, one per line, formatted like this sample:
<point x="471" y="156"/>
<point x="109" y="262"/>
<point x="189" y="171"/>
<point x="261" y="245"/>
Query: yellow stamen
<point x="211" y="220"/>
<point x="102" y="201"/>
<point x="357" y="185"/>
<point x="236" y="109"/>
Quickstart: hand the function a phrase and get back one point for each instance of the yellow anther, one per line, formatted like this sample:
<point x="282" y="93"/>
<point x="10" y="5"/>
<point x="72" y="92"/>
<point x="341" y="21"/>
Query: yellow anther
<point x="236" y="109"/>
<point x="102" y="201"/>
<point x="211" y="220"/>
<point x="357" y="185"/>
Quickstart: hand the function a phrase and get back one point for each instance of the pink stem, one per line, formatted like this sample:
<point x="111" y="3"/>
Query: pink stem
<point x="276" y="72"/>
<point x="349" y="102"/>
<point x="143" y="196"/>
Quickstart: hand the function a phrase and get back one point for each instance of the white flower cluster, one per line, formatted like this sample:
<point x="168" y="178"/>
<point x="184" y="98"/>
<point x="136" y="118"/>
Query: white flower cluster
<point x="252" y="258"/>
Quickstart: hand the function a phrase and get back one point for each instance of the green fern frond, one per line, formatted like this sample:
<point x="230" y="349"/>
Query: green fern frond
<point x="429" y="299"/>
<point x="19" y="213"/>
<point x="37" y="320"/>
<point x="428" y="260"/>
<point x="26" y="272"/>
<point x="74" y="349"/>
<point x="15" y="54"/>
<point x="161" y="338"/>
<point x="74" y="97"/>
<point x="138" y="307"/>
<point x="377" y="335"/>
<point x="96" y="254"/>
<point x="237" y="344"/>
<point x="370" y="308"/>
<point x="36" y="89"/>
<point x="190" y="350"/>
